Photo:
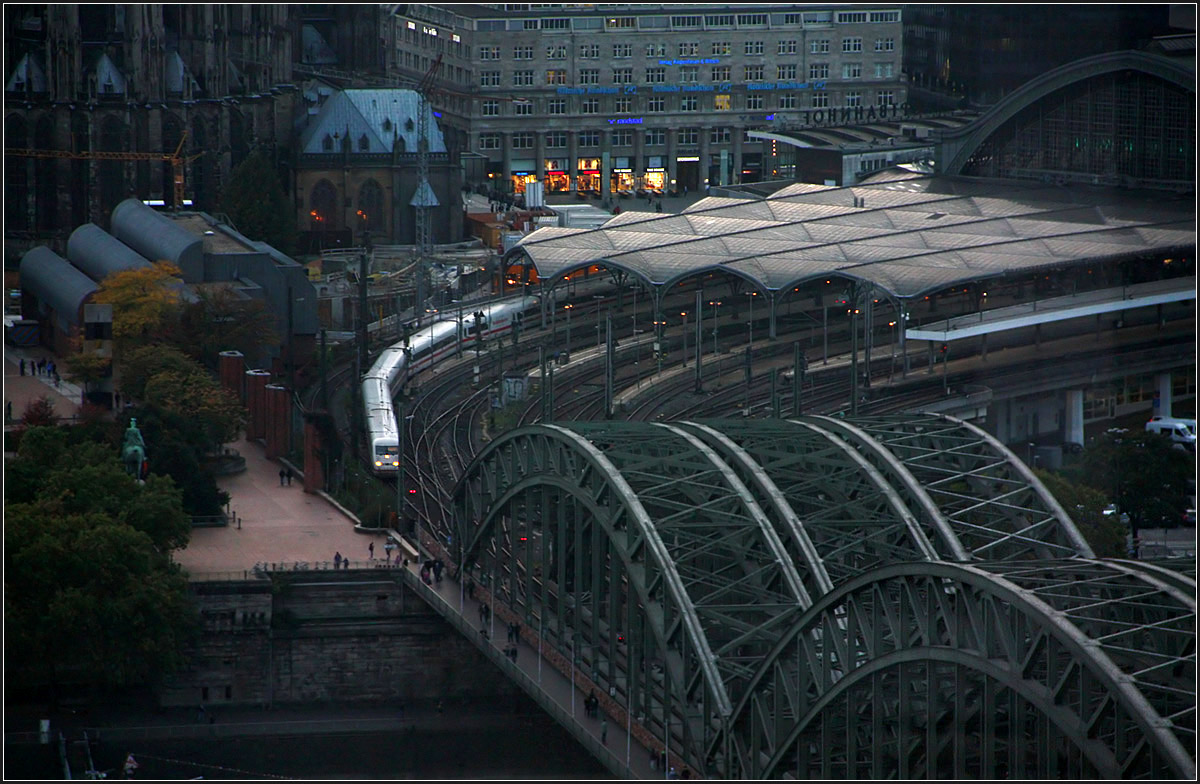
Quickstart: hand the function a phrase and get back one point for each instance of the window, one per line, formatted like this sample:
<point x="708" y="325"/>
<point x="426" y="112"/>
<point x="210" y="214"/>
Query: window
<point x="787" y="101"/>
<point x="489" y="53"/>
<point x="556" y="139"/>
<point x="622" y="50"/>
<point x="589" y="138"/>
<point x="522" y="52"/>
<point x="718" y="135"/>
<point x="620" y="23"/>
<point x="656" y="50"/>
<point x="489" y="108"/>
<point x="853" y="98"/>
<point x="818" y="18"/>
<point x="656" y="75"/>
<point x="689" y="48"/>
<point x="530" y="24"/>
<point x="851" y="17"/>
<point x="885" y="16"/>
<point x="489" y="78"/>
<point x="818" y="46"/>
<point x="885" y="44"/>
<point x="688" y="137"/>
<point x="689" y="103"/>
<point x="787" y="47"/>
<point x="556" y="106"/>
<point x="885" y="98"/>
<point x="554" y="76"/>
<point x="753" y="47"/>
<point x="752" y="20"/>
<point x="656" y="104"/>
<point x="591" y="106"/>
<point x="785" y="71"/>
<point x="523" y="141"/>
<point x="721" y="47"/>
<point x="883" y="70"/>
<point x="722" y="103"/>
<point x="751" y="73"/>
<point x="655" y="137"/>
<point x="718" y="20"/>
<point x="754" y="102"/>
<point x="523" y="78"/>
<point x="689" y="73"/>
<point x="556" y="52"/>
<point x="623" y="105"/>
<point x="589" y="76"/>
<point x="852" y="44"/>
<point x="851" y="70"/>
<point x="622" y="138"/>
<point x="622" y="76"/>
<point x="820" y="99"/>
<point x="523" y="108"/>
<point x="720" y="73"/>
<point x="556" y="24"/>
<point x="589" y="51"/>
<point x="685" y="22"/>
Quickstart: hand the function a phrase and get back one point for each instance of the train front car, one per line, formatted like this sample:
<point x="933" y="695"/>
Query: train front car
<point x="380" y="416"/>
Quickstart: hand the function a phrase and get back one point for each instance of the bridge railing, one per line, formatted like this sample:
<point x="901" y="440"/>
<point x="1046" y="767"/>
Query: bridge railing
<point x="600" y="751"/>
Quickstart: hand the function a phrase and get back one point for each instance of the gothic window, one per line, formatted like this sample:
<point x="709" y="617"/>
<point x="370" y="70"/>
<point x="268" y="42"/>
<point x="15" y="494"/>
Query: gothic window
<point x="323" y="212"/>
<point x="370" y="206"/>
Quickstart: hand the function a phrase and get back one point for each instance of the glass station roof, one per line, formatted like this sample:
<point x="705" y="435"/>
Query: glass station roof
<point x="907" y="233"/>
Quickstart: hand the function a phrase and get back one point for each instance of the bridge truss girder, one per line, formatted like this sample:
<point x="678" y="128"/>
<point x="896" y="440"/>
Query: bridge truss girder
<point x="681" y="566"/>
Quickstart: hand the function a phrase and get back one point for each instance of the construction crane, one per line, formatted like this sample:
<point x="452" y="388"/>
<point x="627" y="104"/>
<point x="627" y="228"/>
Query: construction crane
<point x="176" y="160"/>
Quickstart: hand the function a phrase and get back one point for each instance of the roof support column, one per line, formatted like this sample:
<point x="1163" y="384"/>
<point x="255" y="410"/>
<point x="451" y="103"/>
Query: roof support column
<point x="771" y="330"/>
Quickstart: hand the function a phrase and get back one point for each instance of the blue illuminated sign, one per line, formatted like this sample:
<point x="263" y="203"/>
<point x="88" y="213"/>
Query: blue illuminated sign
<point x="625" y="121"/>
<point x="705" y="61"/>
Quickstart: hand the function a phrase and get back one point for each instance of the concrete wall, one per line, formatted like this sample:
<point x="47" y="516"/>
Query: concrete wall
<point x="344" y="636"/>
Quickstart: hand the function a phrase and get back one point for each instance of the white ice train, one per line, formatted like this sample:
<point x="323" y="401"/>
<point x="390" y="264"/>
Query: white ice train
<point x="426" y="347"/>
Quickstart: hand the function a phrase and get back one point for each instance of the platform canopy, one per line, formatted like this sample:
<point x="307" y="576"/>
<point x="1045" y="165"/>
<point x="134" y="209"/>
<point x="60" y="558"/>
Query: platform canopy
<point x="907" y="234"/>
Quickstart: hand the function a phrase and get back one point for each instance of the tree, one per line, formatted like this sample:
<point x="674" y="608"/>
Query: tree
<point x="1086" y="505"/>
<point x="38" y="413"/>
<point x="1142" y="474"/>
<point x="145" y="300"/>
<point x="219" y="415"/>
<point x="140" y="364"/>
<point x="257" y="204"/>
<point x="222" y="321"/>
<point x="87" y="367"/>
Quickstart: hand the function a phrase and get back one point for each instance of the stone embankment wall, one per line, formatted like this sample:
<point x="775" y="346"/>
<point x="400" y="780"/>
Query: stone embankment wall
<point x="313" y="637"/>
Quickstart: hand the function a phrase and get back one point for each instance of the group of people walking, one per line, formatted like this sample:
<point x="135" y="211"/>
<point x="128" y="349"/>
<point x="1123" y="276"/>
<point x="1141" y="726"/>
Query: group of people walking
<point x="42" y="367"/>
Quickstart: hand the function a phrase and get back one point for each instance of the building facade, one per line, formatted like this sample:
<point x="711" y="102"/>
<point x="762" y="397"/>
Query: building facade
<point x="635" y="96"/>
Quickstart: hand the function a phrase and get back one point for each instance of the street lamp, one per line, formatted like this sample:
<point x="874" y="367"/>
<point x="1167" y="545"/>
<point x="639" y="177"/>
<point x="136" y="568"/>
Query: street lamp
<point x="684" y="314"/>
<point x="716" y="312"/>
<point x="750" y="323"/>
<point x="598" y="298"/>
<point x="568" y="308"/>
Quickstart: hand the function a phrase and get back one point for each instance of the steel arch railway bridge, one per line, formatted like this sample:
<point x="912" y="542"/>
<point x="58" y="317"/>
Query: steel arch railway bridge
<point x="822" y="597"/>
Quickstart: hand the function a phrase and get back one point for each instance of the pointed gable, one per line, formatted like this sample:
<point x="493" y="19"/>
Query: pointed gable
<point x="27" y="77"/>
<point x="373" y="119"/>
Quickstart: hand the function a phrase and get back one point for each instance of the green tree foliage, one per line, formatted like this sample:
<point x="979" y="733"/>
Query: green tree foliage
<point x="222" y="321"/>
<point x="171" y="446"/>
<point x="91" y="595"/>
<point x="1142" y="474"/>
<point x="257" y="204"/>
<point x="38" y="413"/>
<point x="1086" y="505"/>
<point x="141" y="364"/>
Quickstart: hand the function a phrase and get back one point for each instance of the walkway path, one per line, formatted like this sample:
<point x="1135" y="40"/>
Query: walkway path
<point x="23" y="390"/>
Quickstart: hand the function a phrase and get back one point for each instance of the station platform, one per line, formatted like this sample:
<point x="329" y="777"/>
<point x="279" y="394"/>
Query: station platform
<point x="1028" y="314"/>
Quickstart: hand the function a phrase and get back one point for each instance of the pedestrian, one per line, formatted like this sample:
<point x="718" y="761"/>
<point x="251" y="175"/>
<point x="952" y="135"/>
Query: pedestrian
<point x="514" y="654"/>
<point x="604" y="731"/>
<point x="57" y="380"/>
<point x="282" y="476"/>
<point x="658" y="207"/>
<point x="671" y="774"/>
<point x="653" y="760"/>
<point x="685" y="190"/>
<point x="388" y="548"/>
<point x="117" y="400"/>
<point x="508" y="629"/>
<point x="8" y="411"/>
<point x="289" y="477"/>
<point x="337" y="560"/>
<point x="406" y="562"/>
<point x="438" y="566"/>
<point x="482" y="612"/>
<point x="471" y="587"/>
<point x="22" y="367"/>
<point x="371" y="550"/>
<point x="516" y="632"/>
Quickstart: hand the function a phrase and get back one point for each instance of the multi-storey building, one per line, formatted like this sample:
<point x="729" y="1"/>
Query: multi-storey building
<point x="626" y="96"/>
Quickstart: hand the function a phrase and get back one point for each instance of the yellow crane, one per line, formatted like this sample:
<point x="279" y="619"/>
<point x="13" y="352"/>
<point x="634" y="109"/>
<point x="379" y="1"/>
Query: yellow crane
<point x="176" y="160"/>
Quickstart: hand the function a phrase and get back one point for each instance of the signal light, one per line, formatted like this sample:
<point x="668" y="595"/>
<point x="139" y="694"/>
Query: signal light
<point x="412" y="491"/>
<point x="945" y="348"/>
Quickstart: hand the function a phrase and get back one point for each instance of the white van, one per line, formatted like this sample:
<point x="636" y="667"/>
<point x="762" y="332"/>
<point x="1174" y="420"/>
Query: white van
<point x="1180" y="431"/>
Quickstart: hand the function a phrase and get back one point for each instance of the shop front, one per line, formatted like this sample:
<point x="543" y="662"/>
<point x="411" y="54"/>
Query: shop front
<point x="557" y="178"/>
<point x="589" y="176"/>
<point x="655" y="178"/>
<point x="622" y="181"/>
<point x="523" y="173"/>
<point x="687" y="173"/>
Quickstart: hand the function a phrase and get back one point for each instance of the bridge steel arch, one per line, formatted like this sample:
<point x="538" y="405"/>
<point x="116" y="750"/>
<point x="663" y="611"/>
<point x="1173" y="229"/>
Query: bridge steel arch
<point x="752" y="591"/>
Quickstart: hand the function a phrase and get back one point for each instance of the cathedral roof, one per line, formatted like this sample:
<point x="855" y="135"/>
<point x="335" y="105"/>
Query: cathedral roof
<point x="378" y="115"/>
